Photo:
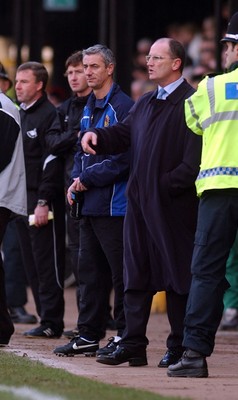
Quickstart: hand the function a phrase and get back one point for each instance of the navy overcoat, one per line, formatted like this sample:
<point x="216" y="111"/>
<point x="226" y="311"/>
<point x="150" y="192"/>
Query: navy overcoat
<point x="162" y="203"/>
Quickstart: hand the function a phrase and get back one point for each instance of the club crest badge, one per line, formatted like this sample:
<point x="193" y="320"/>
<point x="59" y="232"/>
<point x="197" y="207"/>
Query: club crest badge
<point x="107" y="121"/>
<point x="32" y="134"/>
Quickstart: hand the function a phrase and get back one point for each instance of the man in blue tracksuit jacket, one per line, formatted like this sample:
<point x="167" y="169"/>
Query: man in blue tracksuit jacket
<point x="102" y="180"/>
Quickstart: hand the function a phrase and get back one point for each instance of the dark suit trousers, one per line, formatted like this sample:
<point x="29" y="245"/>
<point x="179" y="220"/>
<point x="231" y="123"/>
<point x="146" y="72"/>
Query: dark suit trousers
<point x="137" y="306"/>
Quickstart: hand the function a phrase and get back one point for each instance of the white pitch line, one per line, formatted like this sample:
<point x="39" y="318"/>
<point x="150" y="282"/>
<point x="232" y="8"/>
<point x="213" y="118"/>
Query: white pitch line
<point x="28" y="394"/>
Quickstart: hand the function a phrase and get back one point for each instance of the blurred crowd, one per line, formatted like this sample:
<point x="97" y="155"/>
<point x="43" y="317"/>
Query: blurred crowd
<point x="200" y="45"/>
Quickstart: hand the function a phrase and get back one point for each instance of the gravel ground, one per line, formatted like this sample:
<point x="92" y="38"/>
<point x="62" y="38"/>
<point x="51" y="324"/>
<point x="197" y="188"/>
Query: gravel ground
<point x="223" y="365"/>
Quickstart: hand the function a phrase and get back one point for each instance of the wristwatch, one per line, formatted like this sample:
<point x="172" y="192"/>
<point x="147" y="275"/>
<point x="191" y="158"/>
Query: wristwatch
<point x="42" y="203"/>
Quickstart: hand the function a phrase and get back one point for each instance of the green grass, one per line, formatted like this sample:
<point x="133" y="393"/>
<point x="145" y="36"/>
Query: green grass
<point x="21" y="372"/>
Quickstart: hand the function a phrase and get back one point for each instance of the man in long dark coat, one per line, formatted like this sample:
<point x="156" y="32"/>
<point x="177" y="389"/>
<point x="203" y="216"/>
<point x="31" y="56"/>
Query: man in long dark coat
<point x="162" y="203"/>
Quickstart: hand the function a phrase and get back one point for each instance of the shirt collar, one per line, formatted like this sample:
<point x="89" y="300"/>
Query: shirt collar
<point x="25" y="107"/>
<point x="172" y="86"/>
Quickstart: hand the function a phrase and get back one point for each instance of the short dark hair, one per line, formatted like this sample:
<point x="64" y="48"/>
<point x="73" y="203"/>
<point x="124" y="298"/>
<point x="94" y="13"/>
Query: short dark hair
<point x="38" y="69"/>
<point x="75" y="59"/>
<point x="104" y="51"/>
<point x="177" y="51"/>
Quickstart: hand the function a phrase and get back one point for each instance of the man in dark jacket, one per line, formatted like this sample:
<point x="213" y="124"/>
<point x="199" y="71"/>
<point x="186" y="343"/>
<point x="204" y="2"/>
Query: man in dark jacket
<point x="42" y="242"/>
<point x="61" y="141"/>
<point x="102" y="180"/>
<point x="162" y="204"/>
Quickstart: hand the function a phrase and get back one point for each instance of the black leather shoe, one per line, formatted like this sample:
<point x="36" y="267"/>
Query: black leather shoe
<point x="191" y="365"/>
<point x="170" y="357"/>
<point x="20" y="316"/>
<point x="122" y="355"/>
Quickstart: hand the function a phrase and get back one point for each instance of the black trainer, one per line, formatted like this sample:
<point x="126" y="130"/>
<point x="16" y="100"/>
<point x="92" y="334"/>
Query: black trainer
<point x="191" y="365"/>
<point x="43" y="331"/>
<point x="113" y="342"/>
<point x="77" y="345"/>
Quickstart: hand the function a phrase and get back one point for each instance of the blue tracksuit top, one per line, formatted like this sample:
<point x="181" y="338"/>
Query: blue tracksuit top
<point x="105" y="176"/>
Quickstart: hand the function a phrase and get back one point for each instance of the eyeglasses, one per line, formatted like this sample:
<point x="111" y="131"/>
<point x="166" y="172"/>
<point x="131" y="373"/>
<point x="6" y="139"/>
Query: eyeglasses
<point x="157" y="58"/>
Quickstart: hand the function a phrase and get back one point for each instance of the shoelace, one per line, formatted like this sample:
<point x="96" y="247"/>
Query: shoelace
<point x="112" y="342"/>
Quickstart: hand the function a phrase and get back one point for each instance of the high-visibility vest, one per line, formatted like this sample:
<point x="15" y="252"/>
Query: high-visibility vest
<point x="213" y="113"/>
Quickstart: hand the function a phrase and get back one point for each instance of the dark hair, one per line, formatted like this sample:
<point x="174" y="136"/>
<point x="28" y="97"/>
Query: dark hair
<point x="75" y="59"/>
<point x="177" y="51"/>
<point x="38" y="69"/>
<point x="4" y="75"/>
<point x="104" y="51"/>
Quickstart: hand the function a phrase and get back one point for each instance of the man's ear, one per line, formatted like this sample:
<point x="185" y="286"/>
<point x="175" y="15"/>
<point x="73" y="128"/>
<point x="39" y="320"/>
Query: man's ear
<point x="39" y="86"/>
<point x="176" y="64"/>
<point x="110" y="69"/>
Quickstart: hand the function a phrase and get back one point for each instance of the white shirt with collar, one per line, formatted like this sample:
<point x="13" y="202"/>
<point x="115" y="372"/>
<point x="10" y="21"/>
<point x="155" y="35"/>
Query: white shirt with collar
<point x="171" y="87"/>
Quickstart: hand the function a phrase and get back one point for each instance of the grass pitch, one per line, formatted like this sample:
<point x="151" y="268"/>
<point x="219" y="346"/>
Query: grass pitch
<point x="21" y="378"/>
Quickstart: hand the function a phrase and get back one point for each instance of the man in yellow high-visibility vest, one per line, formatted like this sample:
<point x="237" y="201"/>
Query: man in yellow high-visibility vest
<point x="212" y="112"/>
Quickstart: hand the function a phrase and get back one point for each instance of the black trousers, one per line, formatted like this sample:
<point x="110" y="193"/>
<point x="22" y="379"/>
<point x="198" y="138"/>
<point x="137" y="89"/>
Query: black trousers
<point x="43" y="270"/>
<point x="15" y="278"/>
<point x="215" y="235"/>
<point x="72" y="228"/>
<point x="137" y="305"/>
<point x="100" y="263"/>
<point x="6" y="325"/>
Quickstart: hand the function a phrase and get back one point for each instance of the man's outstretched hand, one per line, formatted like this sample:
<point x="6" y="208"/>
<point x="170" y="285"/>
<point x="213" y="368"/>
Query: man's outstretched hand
<point x="89" y="139"/>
